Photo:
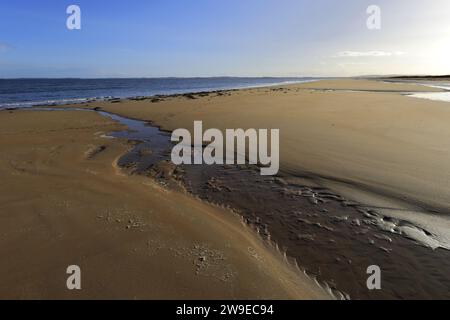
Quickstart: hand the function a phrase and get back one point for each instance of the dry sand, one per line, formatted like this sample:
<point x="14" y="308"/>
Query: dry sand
<point x="63" y="201"/>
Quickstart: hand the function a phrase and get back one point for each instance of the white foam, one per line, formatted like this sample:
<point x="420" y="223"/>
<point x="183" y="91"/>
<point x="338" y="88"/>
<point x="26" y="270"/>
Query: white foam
<point x="435" y="96"/>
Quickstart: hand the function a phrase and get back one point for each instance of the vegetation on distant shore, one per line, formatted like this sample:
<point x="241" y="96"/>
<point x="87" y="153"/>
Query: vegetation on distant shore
<point x="442" y="77"/>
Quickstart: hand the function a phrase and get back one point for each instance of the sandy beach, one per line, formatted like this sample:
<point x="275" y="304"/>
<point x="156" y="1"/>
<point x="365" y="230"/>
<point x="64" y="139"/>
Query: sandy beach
<point x="351" y="137"/>
<point x="64" y="201"/>
<point x="354" y="131"/>
<point x="360" y="184"/>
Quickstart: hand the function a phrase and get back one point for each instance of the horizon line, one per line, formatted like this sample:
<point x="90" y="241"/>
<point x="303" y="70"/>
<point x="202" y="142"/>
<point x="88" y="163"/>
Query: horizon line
<point x="234" y="77"/>
<point x="231" y="77"/>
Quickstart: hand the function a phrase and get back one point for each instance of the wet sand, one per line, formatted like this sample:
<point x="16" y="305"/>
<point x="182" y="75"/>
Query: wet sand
<point x="363" y="141"/>
<point x="322" y="233"/>
<point x="64" y="201"/>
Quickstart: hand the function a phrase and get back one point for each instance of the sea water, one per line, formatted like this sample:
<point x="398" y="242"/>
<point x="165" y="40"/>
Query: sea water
<point x="32" y="92"/>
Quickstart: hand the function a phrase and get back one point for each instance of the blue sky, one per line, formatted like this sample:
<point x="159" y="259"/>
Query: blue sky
<point x="152" y="38"/>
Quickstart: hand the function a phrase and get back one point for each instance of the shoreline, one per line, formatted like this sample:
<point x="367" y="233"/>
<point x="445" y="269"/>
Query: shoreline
<point x="203" y="92"/>
<point x="37" y="104"/>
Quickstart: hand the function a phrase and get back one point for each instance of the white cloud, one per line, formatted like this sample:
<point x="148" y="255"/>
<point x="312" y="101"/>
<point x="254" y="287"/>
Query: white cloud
<point x="358" y="54"/>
